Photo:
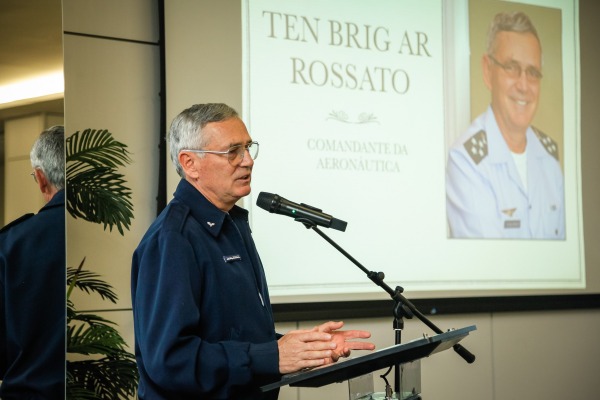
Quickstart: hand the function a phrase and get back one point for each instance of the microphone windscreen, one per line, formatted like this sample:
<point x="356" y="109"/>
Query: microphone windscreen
<point x="338" y="224"/>
<point x="265" y="200"/>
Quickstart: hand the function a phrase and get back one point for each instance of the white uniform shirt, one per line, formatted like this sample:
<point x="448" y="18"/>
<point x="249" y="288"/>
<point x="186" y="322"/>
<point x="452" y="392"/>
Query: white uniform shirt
<point x="484" y="194"/>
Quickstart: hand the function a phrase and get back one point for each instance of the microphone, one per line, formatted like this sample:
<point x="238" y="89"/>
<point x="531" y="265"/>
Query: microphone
<point x="276" y="204"/>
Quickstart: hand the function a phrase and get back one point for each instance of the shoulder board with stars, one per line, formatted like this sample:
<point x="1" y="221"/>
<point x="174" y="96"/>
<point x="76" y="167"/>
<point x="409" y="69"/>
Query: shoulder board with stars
<point x="548" y="143"/>
<point x="477" y="146"/>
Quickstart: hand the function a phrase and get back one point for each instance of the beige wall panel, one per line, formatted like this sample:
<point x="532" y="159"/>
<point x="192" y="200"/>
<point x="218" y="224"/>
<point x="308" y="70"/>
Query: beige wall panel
<point x="211" y="72"/>
<point x="114" y="85"/>
<point x="289" y="393"/>
<point x="131" y="19"/>
<point x="447" y="376"/>
<point x="106" y="253"/>
<point x="20" y="133"/>
<point x="54" y="119"/>
<point x="546" y="355"/>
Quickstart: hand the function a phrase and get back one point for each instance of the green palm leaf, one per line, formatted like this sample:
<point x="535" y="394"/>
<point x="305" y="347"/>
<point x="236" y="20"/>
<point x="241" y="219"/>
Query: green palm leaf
<point x="96" y="148"/>
<point x="76" y="392"/>
<point x="94" y="338"/>
<point x="108" y="377"/>
<point x="90" y="282"/>
<point x="100" y="196"/>
<point x="96" y="192"/>
<point x="113" y="376"/>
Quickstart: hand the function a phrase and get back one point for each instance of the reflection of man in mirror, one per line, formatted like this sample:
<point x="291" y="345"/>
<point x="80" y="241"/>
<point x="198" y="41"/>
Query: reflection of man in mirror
<point x="32" y="284"/>
<point x="503" y="177"/>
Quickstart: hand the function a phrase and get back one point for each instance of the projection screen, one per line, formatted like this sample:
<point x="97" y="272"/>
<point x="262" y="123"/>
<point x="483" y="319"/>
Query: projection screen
<point x="355" y="106"/>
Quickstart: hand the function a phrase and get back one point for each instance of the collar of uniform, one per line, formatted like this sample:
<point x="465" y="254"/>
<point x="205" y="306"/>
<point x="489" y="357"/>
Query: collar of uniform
<point x="535" y="148"/>
<point x="58" y="200"/>
<point x="203" y="211"/>
<point x="498" y="149"/>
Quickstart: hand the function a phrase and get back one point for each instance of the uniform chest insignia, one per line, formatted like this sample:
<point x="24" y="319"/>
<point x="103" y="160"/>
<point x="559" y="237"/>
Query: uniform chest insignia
<point x="548" y="143"/>
<point x="232" y="258"/>
<point x="510" y="211"/>
<point x="477" y="146"/>
<point x="210" y="224"/>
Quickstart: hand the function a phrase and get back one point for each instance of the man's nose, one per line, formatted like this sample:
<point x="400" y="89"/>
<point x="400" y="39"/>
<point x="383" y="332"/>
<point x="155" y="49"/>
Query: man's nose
<point x="523" y="82"/>
<point x="247" y="160"/>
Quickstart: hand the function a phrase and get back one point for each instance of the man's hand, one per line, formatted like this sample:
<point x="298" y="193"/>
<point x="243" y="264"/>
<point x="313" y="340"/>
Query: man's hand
<point x="322" y="345"/>
<point x="342" y="339"/>
<point x="304" y="349"/>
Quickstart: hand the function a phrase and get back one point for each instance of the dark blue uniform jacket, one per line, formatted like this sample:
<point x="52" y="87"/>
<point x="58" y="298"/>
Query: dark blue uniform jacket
<point x="203" y="321"/>
<point x="32" y="304"/>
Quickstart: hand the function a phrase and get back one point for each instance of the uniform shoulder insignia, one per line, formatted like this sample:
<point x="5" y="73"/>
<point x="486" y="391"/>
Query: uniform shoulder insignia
<point x="548" y="143"/>
<point x="16" y="222"/>
<point x="477" y="146"/>
<point x="176" y="216"/>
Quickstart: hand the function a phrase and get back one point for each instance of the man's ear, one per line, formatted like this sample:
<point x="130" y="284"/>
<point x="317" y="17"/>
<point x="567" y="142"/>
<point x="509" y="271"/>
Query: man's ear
<point x="41" y="180"/>
<point x="47" y="189"/>
<point x="188" y="164"/>
<point x="486" y="67"/>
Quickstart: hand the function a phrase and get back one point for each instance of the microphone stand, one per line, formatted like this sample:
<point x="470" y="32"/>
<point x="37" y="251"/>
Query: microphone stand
<point x="402" y="306"/>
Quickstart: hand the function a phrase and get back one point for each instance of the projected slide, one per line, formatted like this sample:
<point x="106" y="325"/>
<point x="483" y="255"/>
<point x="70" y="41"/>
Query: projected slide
<point x="356" y="106"/>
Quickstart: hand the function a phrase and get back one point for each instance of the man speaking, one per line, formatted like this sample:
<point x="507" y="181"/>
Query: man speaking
<point x="203" y="321"/>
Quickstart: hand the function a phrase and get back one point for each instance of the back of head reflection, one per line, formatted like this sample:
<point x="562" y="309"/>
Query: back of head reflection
<point x="32" y="284"/>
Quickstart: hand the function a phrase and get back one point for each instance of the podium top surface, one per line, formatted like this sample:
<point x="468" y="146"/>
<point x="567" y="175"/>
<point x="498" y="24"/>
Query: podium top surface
<point x="378" y="359"/>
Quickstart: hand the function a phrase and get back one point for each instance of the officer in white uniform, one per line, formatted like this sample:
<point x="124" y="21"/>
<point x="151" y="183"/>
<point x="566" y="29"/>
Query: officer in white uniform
<point x="503" y="177"/>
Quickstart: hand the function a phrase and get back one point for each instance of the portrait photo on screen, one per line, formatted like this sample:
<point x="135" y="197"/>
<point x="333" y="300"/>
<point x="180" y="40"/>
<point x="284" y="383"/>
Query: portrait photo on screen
<point x="504" y="172"/>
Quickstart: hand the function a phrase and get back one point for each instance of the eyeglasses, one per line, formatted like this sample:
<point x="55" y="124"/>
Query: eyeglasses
<point x="34" y="178"/>
<point x="513" y="69"/>
<point x="235" y="154"/>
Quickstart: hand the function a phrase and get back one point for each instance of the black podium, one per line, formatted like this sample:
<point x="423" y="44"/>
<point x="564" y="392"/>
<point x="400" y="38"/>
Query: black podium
<point x="355" y="367"/>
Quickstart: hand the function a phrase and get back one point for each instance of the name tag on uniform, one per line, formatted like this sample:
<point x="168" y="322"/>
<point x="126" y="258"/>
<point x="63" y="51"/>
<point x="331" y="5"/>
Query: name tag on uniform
<point x="233" y="258"/>
<point x="512" y="224"/>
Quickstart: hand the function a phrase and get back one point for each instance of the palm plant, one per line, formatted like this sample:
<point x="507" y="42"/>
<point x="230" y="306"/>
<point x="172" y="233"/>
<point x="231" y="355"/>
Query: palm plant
<point x="96" y="192"/>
